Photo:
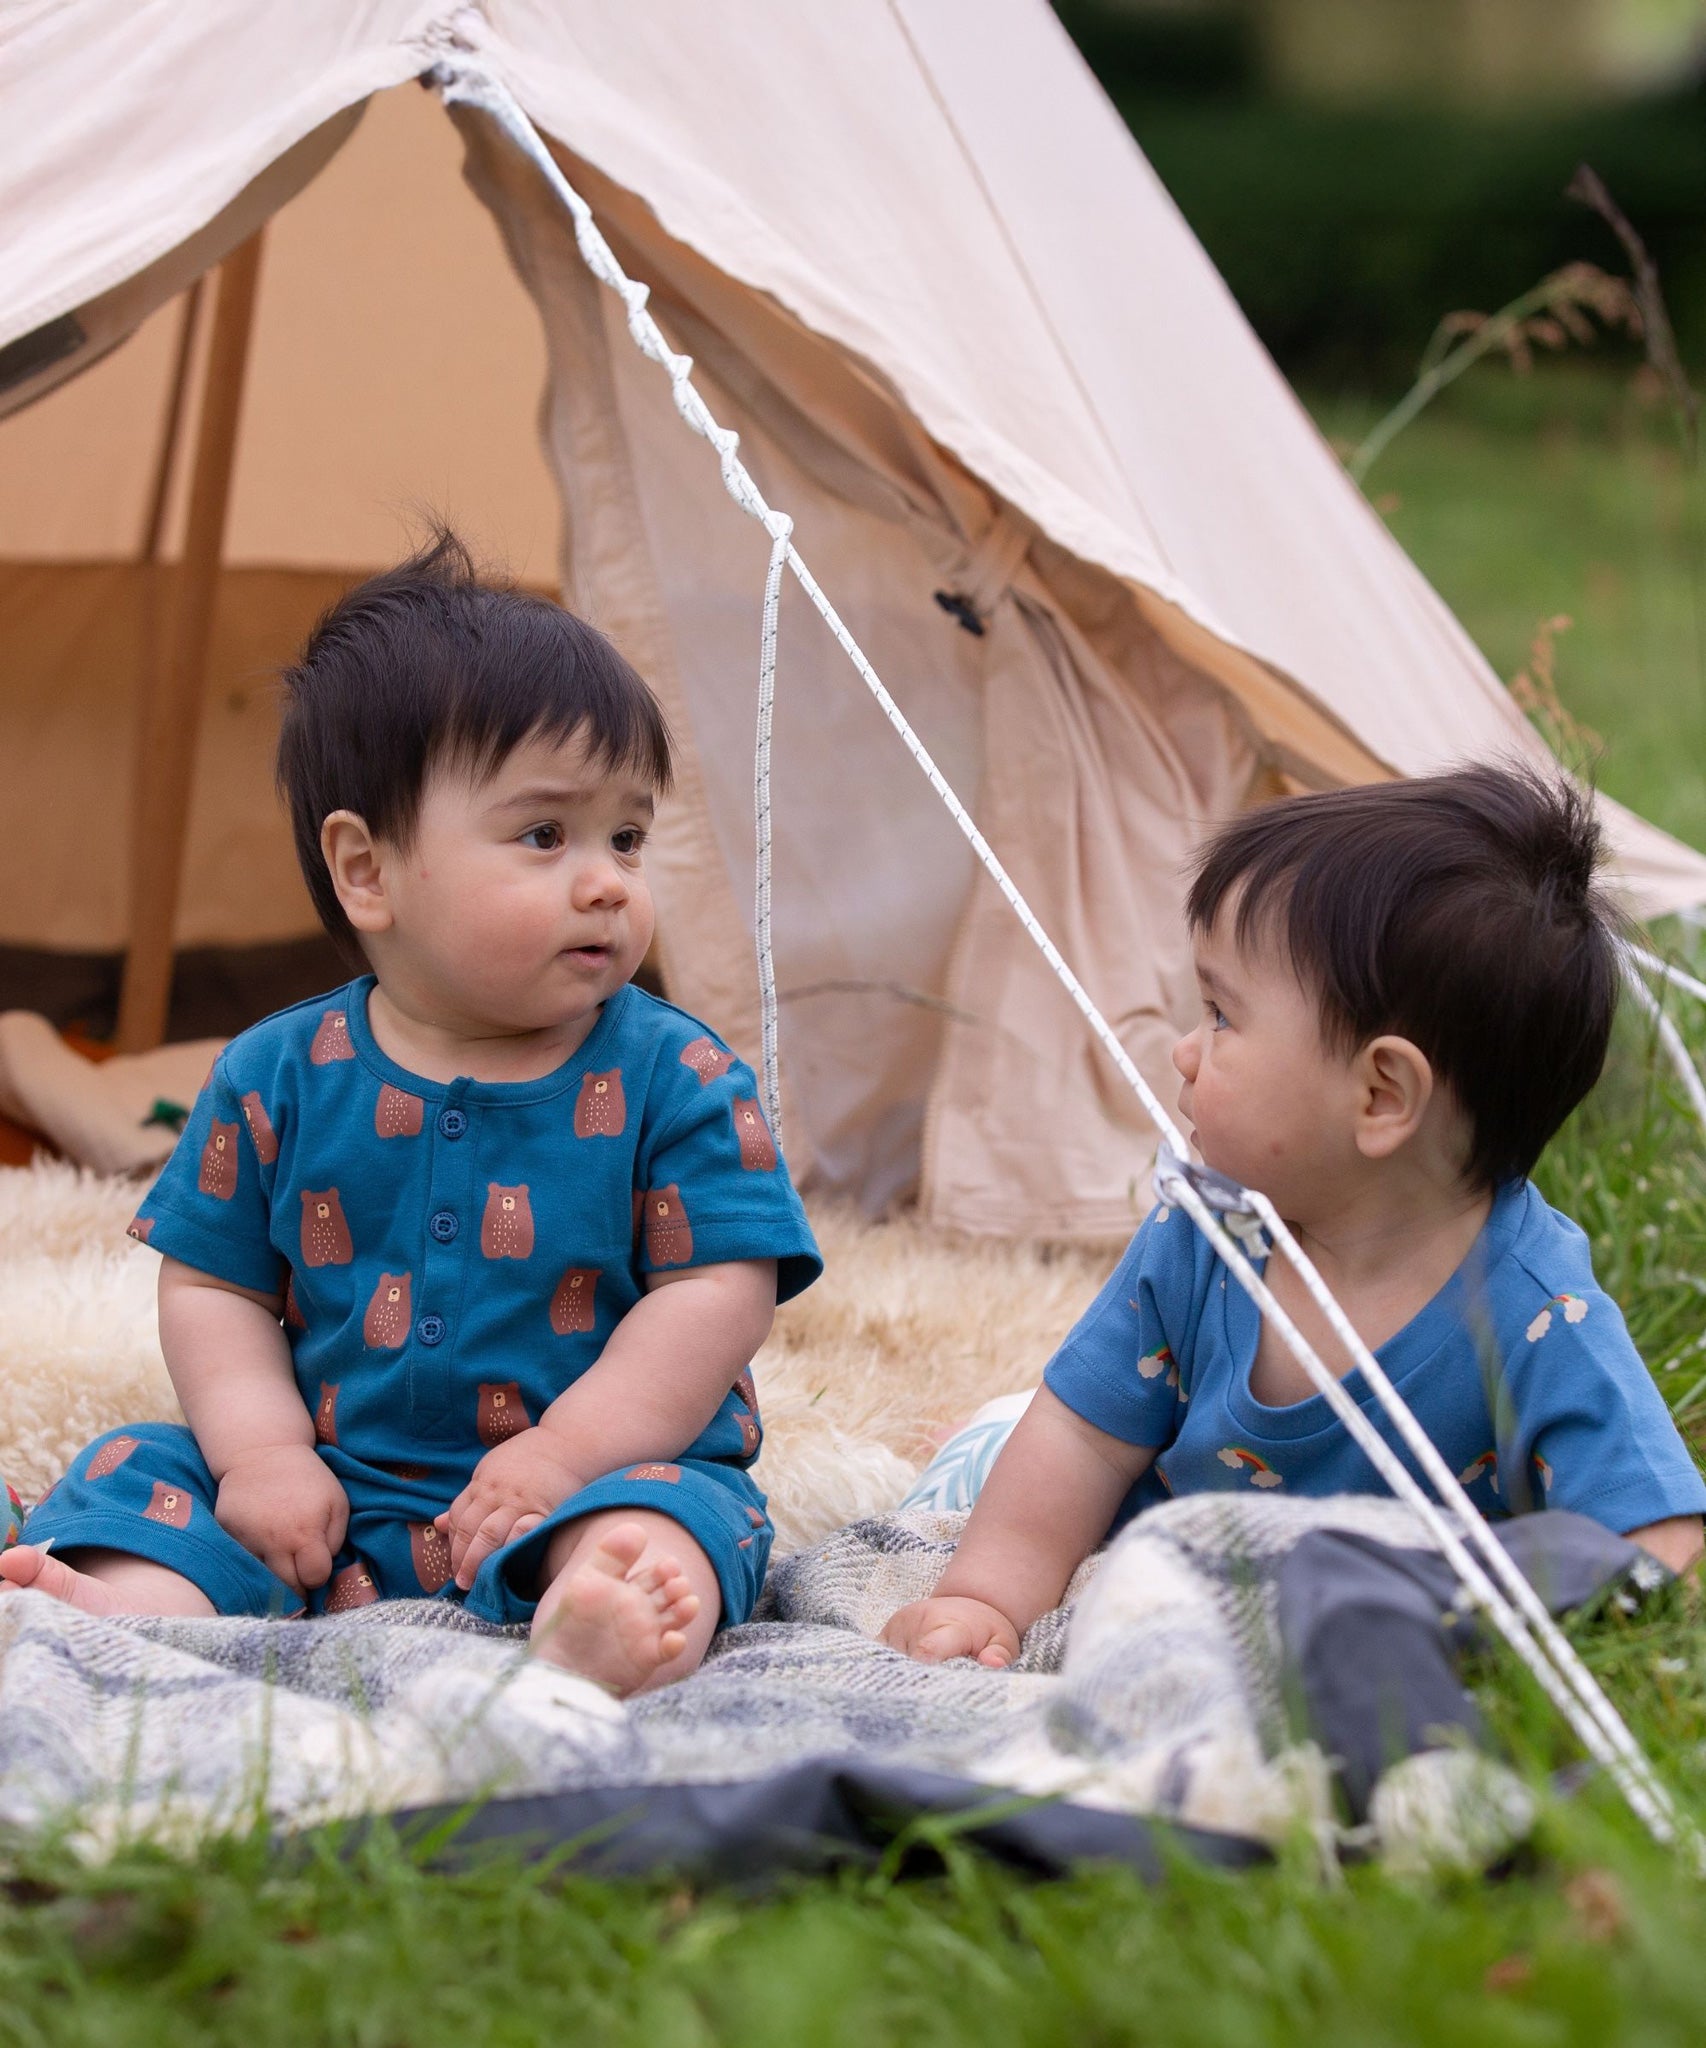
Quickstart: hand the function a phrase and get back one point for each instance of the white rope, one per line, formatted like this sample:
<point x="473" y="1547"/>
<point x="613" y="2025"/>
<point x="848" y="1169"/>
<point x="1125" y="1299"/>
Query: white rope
<point x="1663" y="968"/>
<point x="770" y="1069"/>
<point x="1546" y="1653"/>
<point x="1566" y="1681"/>
<point x="1670" y="1038"/>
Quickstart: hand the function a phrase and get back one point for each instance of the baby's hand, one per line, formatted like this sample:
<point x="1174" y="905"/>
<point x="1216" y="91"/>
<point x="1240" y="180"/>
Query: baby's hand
<point x="285" y="1506"/>
<point x="514" y="1487"/>
<point x="935" y="1630"/>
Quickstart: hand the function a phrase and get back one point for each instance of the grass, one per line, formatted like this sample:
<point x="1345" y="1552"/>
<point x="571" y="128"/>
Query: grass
<point x="1520" y="501"/>
<point x="1564" y="493"/>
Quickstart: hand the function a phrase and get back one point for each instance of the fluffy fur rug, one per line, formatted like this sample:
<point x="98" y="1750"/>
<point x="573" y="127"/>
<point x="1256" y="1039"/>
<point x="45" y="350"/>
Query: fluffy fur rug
<point x="907" y="1332"/>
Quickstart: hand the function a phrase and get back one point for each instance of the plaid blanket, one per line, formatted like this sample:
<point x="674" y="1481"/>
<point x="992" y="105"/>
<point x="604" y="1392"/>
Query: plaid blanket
<point x="1156" y="1690"/>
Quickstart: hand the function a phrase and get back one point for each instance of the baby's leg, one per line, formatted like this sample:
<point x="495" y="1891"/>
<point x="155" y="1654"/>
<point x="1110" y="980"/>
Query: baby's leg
<point x="131" y="1529"/>
<point x="103" y="1581"/>
<point x="630" y="1600"/>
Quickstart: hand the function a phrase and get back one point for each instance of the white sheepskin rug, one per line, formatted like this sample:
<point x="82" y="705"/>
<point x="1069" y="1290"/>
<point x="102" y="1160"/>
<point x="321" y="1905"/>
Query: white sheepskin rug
<point x="906" y="1334"/>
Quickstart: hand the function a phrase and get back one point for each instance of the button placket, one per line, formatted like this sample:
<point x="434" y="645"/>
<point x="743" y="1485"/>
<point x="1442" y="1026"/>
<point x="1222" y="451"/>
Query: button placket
<point x="432" y="1357"/>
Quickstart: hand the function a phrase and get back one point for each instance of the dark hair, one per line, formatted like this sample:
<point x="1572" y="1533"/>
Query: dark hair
<point x="425" y="666"/>
<point x="1459" y="911"/>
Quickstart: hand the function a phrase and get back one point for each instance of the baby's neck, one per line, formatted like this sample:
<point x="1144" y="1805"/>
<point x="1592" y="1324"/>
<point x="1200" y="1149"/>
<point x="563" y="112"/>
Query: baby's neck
<point x="1384" y="1257"/>
<point x="448" y="1048"/>
<point x="1393" y="1228"/>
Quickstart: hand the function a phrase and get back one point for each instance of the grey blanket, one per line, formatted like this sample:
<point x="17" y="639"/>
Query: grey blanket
<point x="1157" y="1690"/>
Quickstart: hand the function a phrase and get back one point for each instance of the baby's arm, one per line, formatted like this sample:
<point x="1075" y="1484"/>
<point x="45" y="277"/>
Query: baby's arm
<point x="666" y="1370"/>
<point x="1049" y="1501"/>
<point x="229" y="1362"/>
<point x="1676" y="1541"/>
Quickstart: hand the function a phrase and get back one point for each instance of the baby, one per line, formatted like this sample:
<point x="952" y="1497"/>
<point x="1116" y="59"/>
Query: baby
<point x="464" y="1264"/>
<point x="1405" y="990"/>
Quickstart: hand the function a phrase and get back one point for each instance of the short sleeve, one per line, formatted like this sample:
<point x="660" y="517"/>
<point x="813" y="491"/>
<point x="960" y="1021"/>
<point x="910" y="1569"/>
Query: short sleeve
<point x="1119" y="1367"/>
<point x="1585" y="1426"/>
<point x="209" y="1208"/>
<point x="713" y="1185"/>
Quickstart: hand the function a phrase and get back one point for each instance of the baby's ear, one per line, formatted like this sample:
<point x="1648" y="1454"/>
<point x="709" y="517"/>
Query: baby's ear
<point x="355" y="862"/>
<point x="1395" y="1085"/>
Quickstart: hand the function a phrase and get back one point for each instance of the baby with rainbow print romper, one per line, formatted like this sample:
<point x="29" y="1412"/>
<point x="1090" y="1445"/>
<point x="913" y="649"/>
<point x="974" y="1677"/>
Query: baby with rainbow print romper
<point x="1405" y="990"/>
<point x="465" y="1264"/>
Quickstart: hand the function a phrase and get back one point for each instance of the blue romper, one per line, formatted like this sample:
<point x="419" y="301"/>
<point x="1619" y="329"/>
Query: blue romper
<point x="452" y="1257"/>
<point x="1520" y="1369"/>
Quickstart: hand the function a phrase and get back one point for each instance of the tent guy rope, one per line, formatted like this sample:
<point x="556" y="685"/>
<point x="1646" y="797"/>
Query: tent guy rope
<point x="1234" y="1219"/>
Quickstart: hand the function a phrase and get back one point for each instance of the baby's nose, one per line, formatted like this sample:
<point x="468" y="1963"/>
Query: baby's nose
<point x="1185" y="1056"/>
<point x="601" y="881"/>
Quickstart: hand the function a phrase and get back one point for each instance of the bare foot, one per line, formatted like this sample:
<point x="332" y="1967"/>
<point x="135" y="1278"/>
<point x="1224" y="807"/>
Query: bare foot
<point x="123" y="1585"/>
<point x="613" y="1623"/>
<point x="25" y="1564"/>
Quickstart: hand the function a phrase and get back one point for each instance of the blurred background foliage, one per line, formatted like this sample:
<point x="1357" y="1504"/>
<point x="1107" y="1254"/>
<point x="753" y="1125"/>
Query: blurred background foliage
<point x="1357" y="168"/>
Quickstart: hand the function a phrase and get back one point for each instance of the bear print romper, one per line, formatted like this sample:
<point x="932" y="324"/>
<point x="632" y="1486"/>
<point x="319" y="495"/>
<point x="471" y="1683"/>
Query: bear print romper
<point x="450" y="1258"/>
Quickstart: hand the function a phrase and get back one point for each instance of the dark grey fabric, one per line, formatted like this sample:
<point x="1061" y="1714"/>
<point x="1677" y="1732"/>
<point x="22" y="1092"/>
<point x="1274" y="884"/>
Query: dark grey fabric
<point x="1372" y="1635"/>
<point x="822" y="1815"/>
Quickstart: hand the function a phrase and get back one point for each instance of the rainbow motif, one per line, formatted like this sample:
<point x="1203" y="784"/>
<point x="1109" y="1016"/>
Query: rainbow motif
<point x="1157" y="1363"/>
<point x="11" y="1517"/>
<point x="1487" y="1463"/>
<point x="1260" y="1471"/>
<point x="1572" y="1306"/>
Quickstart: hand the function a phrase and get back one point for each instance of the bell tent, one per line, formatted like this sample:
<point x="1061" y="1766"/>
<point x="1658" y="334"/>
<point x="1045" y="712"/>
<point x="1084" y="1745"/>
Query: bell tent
<point x="251" y="321"/>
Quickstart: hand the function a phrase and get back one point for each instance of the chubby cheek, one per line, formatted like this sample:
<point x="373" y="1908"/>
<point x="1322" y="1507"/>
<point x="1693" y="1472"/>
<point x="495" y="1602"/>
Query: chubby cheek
<point x="496" y="919"/>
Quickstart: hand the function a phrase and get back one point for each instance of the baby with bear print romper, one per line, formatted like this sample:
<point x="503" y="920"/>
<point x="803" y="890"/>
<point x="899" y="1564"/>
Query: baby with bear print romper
<point x="465" y="1264"/>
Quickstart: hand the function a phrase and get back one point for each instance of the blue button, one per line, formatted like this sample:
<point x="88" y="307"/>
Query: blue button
<point x="443" y="1225"/>
<point x="430" y="1329"/>
<point x="452" y="1122"/>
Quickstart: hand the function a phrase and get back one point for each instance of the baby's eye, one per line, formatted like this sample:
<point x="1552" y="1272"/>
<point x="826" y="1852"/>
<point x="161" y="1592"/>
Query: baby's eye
<point x="629" y="840"/>
<point x="1216" y="1016"/>
<point x="543" y="838"/>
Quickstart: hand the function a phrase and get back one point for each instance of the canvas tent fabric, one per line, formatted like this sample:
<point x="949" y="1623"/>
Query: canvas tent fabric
<point x="968" y="344"/>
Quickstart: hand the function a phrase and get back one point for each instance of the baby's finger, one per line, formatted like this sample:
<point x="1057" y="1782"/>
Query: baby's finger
<point x="492" y="1534"/>
<point x="313" y="1563"/>
<point x="282" y="1565"/>
<point x="996" y="1656"/>
<point x="941" y="1642"/>
<point x="337" y="1522"/>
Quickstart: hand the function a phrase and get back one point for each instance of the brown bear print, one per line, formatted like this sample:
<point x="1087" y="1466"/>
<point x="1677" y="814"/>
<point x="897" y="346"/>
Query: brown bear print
<point x="352" y="1587"/>
<point x="601" y="1109"/>
<point x="669" y="1474"/>
<point x="751" y="1436"/>
<point x="294" y="1319"/>
<point x="572" y="1304"/>
<point x="111" y="1456"/>
<point x="260" y="1128"/>
<point x="669" y="1236"/>
<point x="501" y="1413"/>
<point x="707" y="1059"/>
<point x="745" y="1392"/>
<point x="325" y="1233"/>
<point x="397" y="1114"/>
<point x="331" y="1041"/>
<point x="326" y="1414"/>
<point x="386" y="1322"/>
<point x="757" y="1147"/>
<point x="507" y="1230"/>
<point x="141" y="1228"/>
<point x="429" y="1553"/>
<point x="168" y="1504"/>
<point x="755" y="1517"/>
<point x="219" y="1162"/>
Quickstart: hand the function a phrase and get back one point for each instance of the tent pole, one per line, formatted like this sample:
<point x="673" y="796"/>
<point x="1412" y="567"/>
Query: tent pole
<point x="154" y="533"/>
<point x="169" y="719"/>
